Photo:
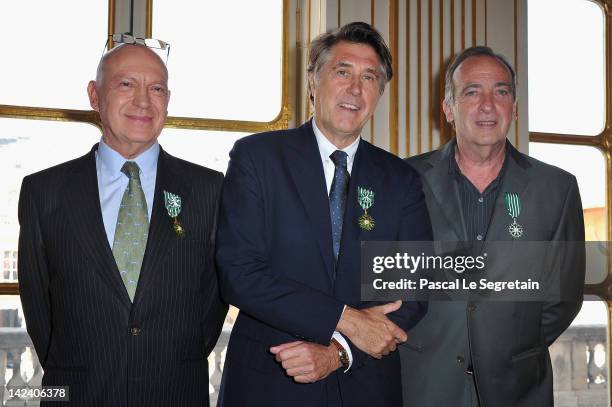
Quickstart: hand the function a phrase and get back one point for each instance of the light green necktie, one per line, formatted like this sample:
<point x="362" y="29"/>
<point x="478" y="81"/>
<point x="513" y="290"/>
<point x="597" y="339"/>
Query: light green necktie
<point x="132" y="229"/>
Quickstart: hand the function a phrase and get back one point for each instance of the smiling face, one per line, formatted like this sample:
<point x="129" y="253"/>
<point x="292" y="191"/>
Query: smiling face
<point x="346" y="91"/>
<point x="131" y="94"/>
<point x="484" y="107"/>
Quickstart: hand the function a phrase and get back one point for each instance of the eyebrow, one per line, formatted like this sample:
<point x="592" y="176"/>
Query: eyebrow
<point x="130" y="76"/>
<point x="344" y="64"/>
<point x="479" y="86"/>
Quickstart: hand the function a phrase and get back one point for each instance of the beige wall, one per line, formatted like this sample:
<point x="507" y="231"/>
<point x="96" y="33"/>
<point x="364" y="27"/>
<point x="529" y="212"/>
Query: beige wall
<point x="423" y="35"/>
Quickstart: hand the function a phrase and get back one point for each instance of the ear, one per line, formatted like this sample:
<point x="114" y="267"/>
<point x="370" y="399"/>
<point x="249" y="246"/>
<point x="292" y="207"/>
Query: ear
<point x="167" y="101"/>
<point x="514" y="111"/>
<point x="448" y="112"/>
<point x="311" y="84"/>
<point x="93" y="95"/>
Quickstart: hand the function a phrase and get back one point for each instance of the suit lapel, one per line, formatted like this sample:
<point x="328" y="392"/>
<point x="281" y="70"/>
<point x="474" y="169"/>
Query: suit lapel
<point x="445" y="192"/>
<point x="306" y="169"/>
<point x="161" y="233"/>
<point x="515" y="180"/>
<point x="83" y="203"/>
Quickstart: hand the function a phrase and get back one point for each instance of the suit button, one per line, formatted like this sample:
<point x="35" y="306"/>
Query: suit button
<point x="460" y="359"/>
<point x="135" y="331"/>
<point x="471" y="307"/>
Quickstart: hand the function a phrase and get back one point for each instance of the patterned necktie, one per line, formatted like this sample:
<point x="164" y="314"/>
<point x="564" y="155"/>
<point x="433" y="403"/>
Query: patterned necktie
<point x="132" y="229"/>
<point x="337" y="197"/>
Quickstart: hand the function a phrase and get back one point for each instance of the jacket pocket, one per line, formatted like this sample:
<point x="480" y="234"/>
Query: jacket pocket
<point x="413" y="345"/>
<point x="529" y="353"/>
<point x="252" y="354"/>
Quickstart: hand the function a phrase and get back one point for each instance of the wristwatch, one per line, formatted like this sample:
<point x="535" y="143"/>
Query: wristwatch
<point x="342" y="354"/>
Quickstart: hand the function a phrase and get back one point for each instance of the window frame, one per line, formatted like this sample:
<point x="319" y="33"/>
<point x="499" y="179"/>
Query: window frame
<point x="53" y="114"/>
<point x="602" y="142"/>
<point x="282" y="119"/>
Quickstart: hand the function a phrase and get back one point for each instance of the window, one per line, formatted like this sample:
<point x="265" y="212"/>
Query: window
<point x="55" y="51"/>
<point x="567" y="122"/>
<point x="566" y="95"/>
<point x="223" y="64"/>
<point x="9" y="265"/>
<point x="53" y="54"/>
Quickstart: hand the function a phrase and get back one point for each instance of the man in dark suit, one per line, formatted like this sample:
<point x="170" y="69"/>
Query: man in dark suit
<point x="492" y="354"/>
<point x="123" y="313"/>
<point x="296" y="205"/>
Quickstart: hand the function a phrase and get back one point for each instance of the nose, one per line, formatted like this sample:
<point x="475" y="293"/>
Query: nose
<point x="141" y="97"/>
<point x="486" y="103"/>
<point x="355" y="87"/>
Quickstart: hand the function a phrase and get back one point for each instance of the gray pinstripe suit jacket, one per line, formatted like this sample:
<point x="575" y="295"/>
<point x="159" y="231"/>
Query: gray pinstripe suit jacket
<point x="86" y="332"/>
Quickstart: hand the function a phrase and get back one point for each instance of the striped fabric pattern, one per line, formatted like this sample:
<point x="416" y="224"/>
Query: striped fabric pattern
<point x="87" y="333"/>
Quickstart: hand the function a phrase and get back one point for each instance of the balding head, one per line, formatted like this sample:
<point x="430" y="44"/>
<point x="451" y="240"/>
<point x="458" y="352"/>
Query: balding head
<point x="108" y="57"/>
<point x="131" y="95"/>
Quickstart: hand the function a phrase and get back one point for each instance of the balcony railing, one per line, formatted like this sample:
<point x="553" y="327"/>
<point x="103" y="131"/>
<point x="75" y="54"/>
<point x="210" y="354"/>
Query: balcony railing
<point x="579" y="358"/>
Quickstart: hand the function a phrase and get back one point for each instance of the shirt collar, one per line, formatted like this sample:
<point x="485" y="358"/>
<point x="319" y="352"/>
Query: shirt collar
<point x="112" y="161"/>
<point x="326" y="147"/>
<point x="455" y="171"/>
<point x="454" y="167"/>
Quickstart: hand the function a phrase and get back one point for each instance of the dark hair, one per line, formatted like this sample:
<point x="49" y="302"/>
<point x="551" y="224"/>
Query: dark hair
<point x="449" y="85"/>
<point x="358" y="33"/>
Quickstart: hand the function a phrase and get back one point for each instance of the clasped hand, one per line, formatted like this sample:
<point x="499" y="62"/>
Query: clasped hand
<point x="371" y="330"/>
<point x="306" y="362"/>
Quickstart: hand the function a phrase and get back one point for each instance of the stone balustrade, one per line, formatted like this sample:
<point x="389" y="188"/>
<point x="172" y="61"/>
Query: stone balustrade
<point x="579" y="359"/>
<point x="580" y="362"/>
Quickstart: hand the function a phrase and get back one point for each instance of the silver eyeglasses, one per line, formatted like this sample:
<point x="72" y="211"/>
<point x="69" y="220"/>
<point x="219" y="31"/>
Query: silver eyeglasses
<point x="162" y="47"/>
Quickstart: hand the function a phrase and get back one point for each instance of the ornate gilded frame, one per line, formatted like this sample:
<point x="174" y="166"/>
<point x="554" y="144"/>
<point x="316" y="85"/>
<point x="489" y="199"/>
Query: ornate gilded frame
<point x="603" y="142"/>
<point x="44" y="113"/>
<point x="281" y="121"/>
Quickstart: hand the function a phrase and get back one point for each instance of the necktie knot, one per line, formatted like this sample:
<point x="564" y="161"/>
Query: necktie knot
<point x="339" y="158"/>
<point x="130" y="168"/>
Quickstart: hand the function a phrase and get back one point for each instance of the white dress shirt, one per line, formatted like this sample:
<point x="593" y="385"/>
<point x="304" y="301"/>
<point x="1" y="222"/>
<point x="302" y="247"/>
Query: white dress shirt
<point x="326" y="148"/>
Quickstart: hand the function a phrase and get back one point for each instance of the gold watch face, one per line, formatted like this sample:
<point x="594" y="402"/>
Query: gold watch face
<point x="344" y="360"/>
<point x="342" y="353"/>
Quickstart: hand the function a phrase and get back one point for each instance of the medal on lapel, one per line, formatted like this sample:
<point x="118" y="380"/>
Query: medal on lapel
<point x="365" y="197"/>
<point x="513" y="206"/>
<point x="173" y="206"/>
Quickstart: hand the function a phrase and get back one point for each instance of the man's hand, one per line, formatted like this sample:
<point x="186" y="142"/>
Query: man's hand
<point x="307" y="362"/>
<point x="370" y="329"/>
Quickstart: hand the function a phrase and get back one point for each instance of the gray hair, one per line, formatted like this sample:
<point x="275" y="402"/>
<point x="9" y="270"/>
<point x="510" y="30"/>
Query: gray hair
<point x="357" y="33"/>
<point x="449" y="85"/>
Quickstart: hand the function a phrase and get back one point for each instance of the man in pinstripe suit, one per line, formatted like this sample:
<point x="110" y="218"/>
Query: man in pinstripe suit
<point x="116" y="250"/>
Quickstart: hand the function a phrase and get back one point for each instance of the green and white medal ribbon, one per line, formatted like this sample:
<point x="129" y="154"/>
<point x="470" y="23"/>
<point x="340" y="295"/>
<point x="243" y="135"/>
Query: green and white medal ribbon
<point x="365" y="197"/>
<point x="513" y="206"/>
<point x="173" y="206"/>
